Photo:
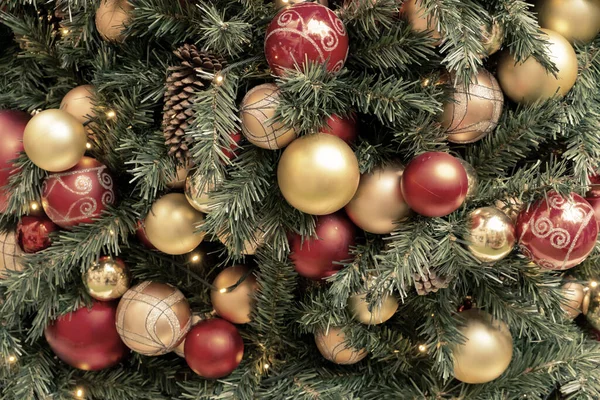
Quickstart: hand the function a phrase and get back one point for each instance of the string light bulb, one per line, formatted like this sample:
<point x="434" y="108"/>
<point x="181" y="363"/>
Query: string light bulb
<point x="267" y="366"/>
<point x="88" y="145"/>
<point x="219" y="79"/>
<point x="111" y="114"/>
<point x="12" y="359"/>
<point x="223" y="290"/>
<point x="79" y="393"/>
<point x="195" y="258"/>
<point x="34" y="206"/>
<point x="422" y="348"/>
<point x="64" y="31"/>
<point x="593" y="284"/>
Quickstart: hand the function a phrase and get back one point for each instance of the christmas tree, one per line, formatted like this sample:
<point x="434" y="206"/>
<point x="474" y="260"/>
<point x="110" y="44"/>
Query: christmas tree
<point x="361" y="199"/>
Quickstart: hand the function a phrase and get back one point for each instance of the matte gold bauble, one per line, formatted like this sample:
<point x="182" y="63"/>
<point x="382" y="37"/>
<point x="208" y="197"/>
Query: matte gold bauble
<point x="79" y="102"/>
<point x="332" y="345"/>
<point x="318" y="174"/>
<point x="378" y="203"/>
<point x="181" y="174"/>
<point x="472" y="179"/>
<point x="487" y="350"/>
<point x="414" y="13"/>
<point x="153" y="318"/>
<point x="493" y="36"/>
<point x="111" y="19"/>
<point x="528" y="82"/>
<point x="491" y="234"/>
<point x="257" y="110"/>
<point x="179" y="350"/>
<point x="54" y="140"/>
<point x="10" y="254"/>
<point x="107" y="279"/>
<point x="473" y="113"/>
<point x="381" y="312"/>
<point x="171" y="225"/>
<point x="197" y="193"/>
<point x="249" y="246"/>
<point x="576" y="20"/>
<point x="286" y="3"/>
<point x="574" y="293"/>
<point x="234" y="303"/>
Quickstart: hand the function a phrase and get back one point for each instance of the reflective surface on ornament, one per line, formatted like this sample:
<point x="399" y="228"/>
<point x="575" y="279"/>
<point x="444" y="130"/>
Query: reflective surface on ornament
<point x="492" y="234"/>
<point x="107" y="279"/>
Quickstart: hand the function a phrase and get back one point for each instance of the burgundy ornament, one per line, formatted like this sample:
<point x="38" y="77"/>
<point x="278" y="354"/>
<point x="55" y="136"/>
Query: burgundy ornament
<point x="78" y="195"/>
<point x="33" y="233"/>
<point x="595" y="186"/>
<point x="12" y="126"/>
<point x="140" y="232"/>
<point x="306" y="32"/>
<point x="557" y="232"/>
<point x="87" y="339"/>
<point x="434" y="184"/>
<point x="315" y="258"/>
<point x="232" y="151"/>
<point x="342" y="127"/>
<point x="595" y="203"/>
<point x="213" y="348"/>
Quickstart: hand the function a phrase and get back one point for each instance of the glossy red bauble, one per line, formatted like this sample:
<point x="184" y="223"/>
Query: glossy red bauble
<point x="342" y="127"/>
<point x="87" y="338"/>
<point x="213" y="348"/>
<point x="78" y="195"/>
<point x="12" y="126"/>
<point x="557" y="232"/>
<point x="306" y="32"/>
<point x="434" y="184"/>
<point x="595" y="203"/>
<point x="33" y="233"/>
<point x="233" y="150"/>
<point x="595" y="186"/>
<point x="316" y="258"/>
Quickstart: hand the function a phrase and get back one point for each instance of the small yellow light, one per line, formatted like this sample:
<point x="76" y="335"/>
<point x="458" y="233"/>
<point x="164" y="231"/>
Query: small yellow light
<point x="111" y="114"/>
<point x="12" y="359"/>
<point x="224" y="290"/>
<point x="422" y="348"/>
<point x="112" y="232"/>
<point x="34" y="205"/>
<point x="79" y="393"/>
<point x="64" y="31"/>
<point x="88" y="145"/>
<point x="267" y="366"/>
<point x="219" y="78"/>
<point x="593" y="284"/>
<point x="195" y="258"/>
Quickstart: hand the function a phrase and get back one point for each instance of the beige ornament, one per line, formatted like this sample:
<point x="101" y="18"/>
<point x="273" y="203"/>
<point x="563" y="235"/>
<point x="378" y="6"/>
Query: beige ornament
<point x="181" y="174"/>
<point x="79" y="102"/>
<point x="574" y="294"/>
<point x="359" y="308"/>
<point x="10" y="254"/>
<point x="332" y="345"/>
<point x="179" y="350"/>
<point x="198" y="194"/>
<point x="414" y="13"/>
<point x="111" y="19"/>
<point x="472" y="179"/>
<point x="250" y="246"/>
<point x="234" y="304"/>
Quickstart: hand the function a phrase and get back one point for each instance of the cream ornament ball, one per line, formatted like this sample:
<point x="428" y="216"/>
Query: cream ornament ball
<point x="378" y="314"/>
<point x="79" y="102"/>
<point x="231" y="302"/>
<point x="333" y="346"/>
<point x="112" y="17"/>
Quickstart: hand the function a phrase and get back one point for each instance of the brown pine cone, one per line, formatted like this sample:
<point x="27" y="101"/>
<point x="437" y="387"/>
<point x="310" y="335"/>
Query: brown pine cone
<point x="429" y="283"/>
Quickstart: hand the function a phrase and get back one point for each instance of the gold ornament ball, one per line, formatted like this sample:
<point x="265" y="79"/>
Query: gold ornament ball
<point x="10" y="254"/>
<point x="181" y="174"/>
<point x="381" y="312"/>
<point x="257" y="110"/>
<point x="79" y="102"/>
<point x="171" y="225"/>
<point x="592" y="314"/>
<point x="491" y="234"/>
<point x="528" y="82"/>
<point x="332" y="345"/>
<point x="234" y="303"/>
<point x="473" y="112"/>
<point x="107" y="279"/>
<point x="179" y="350"/>
<point x="575" y="20"/>
<point x="574" y="294"/>
<point x="414" y="13"/>
<point x="493" y="36"/>
<point x="197" y="193"/>
<point x="487" y="350"/>
<point x="318" y="174"/>
<point x="111" y="18"/>
<point x="54" y="140"/>
<point x="153" y="318"/>
<point x="286" y="3"/>
<point x="249" y="246"/>
<point x="472" y="179"/>
<point x="378" y="203"/>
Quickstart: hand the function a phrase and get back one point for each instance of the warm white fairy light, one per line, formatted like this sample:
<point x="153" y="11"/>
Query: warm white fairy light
<point x="111" y="114"/>
<point x="422" y="348"/>
<point x="79" y="393"/>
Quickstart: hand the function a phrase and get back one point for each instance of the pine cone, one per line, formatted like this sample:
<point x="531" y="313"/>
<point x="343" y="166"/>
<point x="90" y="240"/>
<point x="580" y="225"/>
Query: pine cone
<point x="430" y="283"/>
<point x="183" y="81"/>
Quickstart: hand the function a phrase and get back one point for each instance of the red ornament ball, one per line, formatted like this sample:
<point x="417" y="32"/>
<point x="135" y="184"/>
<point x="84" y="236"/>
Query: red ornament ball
<point x="557" y="232"/>
<point x="233" y="150"/>
<point x="306" y="32"/>
<point x="78" y="195"/>
<point x="595" y="186"/>
<point x="33" y="233"/>
<point x="595" y="203"/>
<point x="316" y="258"/>
<point x="342" y="127"/>
<point x="434" y="184"/>
<point x="213" y="348"/>
<point x="87" y="338"/>
<point x="140" y="232"/>
<point x="12" y="126"/>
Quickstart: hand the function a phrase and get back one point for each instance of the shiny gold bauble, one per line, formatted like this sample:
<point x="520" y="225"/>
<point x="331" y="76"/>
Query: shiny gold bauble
<point x="54" y="140"/>
<point x="198" y="194"/>
<point x="234" y="303"/>
<point x="574" y="293"/>
<point x="171" y="225"/>
<point x="286" y="3"/>
<point x="153" y="318"/>
<point x="257" y="110"/>
<point x="111" y="18"/>
<point x="414" y="13"/>
<point x="487" y="350"/>
<point x="491" y="234"/>
<point x="79" y="102"/>
<point x="332" y="345"/>
<point x="179" y="350"/>
<point x="10" y="254"/>
<point x="576" y="20"/>
<point x="381" y="312"/>
<point x="472" y="179"/>
<point x="318" y="174"/>
<point x="528" y="82"/>
<point x="493" y="36"/>
<point x="181" y="174"/>
<point x="472" y="113"/>
<point x="107" y="279"/>
<point x="378" y="203"/>
<point x="250" y="246"/>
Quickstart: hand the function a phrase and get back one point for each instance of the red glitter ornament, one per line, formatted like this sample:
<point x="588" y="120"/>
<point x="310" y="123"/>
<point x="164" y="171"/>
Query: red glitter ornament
<point x="342" y="127"/>
<point x="87" y="339"/>
<point x="557" y="232"/>
<point x="434" y="184"/>
<point x="214" y="348"/>
<point x="33" y="233"/>
<point x="12" y="126"/>
<point x="78" y="195"/>
<point x="306" y="32"/>
<point x="316" y="258"/>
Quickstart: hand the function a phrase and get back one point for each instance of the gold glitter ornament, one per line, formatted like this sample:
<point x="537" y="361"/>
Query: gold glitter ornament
<point x="107" y="279"/>
<point x="491" y="234"/>
<point x="153" y="318"/>
<point x="332" y="345"/>
<point x="10" y="254"/>
<point x="381" y="312"/>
